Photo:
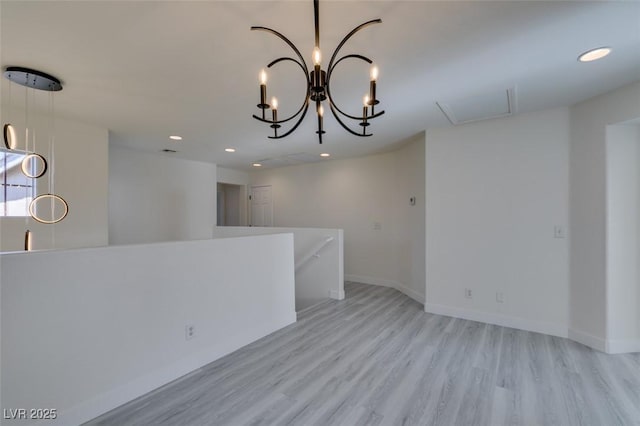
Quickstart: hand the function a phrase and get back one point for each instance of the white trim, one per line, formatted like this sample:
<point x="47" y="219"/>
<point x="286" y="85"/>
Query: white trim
<point x="607" y="346"/>
<point x="370" y="280"/>
<point x="336" y="294"/>
<point x="498" y="319"/>
<point x="588" y="340"/>
<point x="341" y="294"/>
<point x="411" y="293"/>
<point x="386" y="283"/>
<point x="625" y="346"/>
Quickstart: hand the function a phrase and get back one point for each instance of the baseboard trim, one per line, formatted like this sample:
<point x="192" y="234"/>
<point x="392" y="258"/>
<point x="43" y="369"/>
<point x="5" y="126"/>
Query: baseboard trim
<point x="602" y="345"/>
<point x="623" y="346"/>
<point x="588" y="340"/>
<point x="498" y="319"/>
<point x="114" y="398"/>
<point x="386" y="283"/>
<point x="336" y="294"/>
<point x="411" y="293"/>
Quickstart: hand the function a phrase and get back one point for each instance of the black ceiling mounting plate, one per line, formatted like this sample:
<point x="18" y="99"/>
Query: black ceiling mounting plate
<point x="33" y="79"/>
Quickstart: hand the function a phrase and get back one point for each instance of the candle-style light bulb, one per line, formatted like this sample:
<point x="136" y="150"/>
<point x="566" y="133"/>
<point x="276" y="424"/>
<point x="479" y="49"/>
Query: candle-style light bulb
<point x="320" y="111"/>
<point x="372" y="89"/>
<point x="366" y="101"/>
<point x="317" y="56"/>
<point x="274" y="116"/>
<point x="365" y="108"/>
<point x="317" y="74"/>
<point x="374" y="73"/>
<point x="263" y="91"/>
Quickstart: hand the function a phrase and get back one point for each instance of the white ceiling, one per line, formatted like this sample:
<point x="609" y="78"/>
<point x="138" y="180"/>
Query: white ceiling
<point x="149" y="69"/>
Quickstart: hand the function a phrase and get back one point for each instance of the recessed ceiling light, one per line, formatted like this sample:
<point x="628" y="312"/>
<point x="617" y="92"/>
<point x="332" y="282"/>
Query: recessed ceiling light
<point x="594" y="54"/>
<point x="175" y="138"/>
<point x="230" y="150"/>
<point x="257" y="165"/>
<point x="325" y="154"/>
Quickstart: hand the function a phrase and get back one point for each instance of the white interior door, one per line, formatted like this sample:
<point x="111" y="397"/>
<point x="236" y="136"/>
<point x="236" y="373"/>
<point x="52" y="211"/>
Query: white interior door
<point x="261" y="206"/>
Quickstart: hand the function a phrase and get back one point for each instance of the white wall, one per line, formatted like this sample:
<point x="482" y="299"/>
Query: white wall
<point x="495" y="192"/>
<point x="623" y="237"/>
<point x="356" y="195"/>
<point x="588" y="295"/>
<point x="409" y="220"/>
<point x="154" y="198"/>
<point x="86" y="330"/>
<point x="319" y="267"/>
<point x="81" y="176"/>
<point x="232" y="176"/>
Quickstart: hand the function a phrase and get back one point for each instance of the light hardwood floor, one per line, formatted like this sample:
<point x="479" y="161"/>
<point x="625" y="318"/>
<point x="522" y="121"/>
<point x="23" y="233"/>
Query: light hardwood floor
<point x="376" y="358"/>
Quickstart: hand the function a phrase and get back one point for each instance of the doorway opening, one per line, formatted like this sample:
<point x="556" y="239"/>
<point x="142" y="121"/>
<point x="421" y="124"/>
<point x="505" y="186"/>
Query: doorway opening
<point x="231" y="205"/>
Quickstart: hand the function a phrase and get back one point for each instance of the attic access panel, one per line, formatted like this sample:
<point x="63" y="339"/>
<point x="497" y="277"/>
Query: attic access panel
<point x="480" y="107"/>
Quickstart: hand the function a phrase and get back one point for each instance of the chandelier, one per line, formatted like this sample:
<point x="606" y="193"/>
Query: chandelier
<point x="47" y="208"/>
<point x="319" y="86"/>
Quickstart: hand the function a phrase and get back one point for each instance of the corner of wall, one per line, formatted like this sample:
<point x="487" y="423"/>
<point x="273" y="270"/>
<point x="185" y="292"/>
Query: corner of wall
<point x="386" y="283"/>
<point x="590" y="310"/>
<point x="587" y="339"/>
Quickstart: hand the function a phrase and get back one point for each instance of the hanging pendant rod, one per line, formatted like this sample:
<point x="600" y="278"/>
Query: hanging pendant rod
<point x="316" y="21"/>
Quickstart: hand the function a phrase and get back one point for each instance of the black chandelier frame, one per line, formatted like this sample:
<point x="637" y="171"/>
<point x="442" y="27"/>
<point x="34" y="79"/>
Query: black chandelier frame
<point x="319" y="86"/>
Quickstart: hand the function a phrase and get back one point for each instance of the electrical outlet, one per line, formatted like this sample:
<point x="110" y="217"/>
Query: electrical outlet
<point x="468" y="293"/>
<point x="558" y="231"/>
<point x="499" y="297"/>
<point x="377" y="226"/>
<point x="189" y="331"/>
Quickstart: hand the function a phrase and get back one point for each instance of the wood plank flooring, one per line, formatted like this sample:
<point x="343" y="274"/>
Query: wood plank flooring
<point x="376" y="358"/>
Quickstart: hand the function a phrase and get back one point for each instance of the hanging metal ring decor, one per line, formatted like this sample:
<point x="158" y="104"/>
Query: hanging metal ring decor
<point x="52" y="197"/>
<point x="10" y="139"/>
<point x="34" y="79"/>
<point x="27" y="162"/>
